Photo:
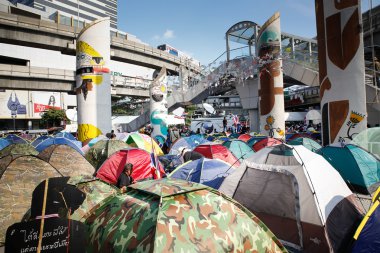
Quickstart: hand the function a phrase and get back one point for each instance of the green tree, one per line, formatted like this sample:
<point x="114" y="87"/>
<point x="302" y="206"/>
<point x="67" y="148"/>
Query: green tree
<point x="54" y="117"/>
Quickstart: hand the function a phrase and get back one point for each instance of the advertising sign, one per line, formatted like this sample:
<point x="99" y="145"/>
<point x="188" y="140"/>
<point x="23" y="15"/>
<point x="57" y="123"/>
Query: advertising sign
<point x="13" y="103"/>
<point x="43" y="101"/>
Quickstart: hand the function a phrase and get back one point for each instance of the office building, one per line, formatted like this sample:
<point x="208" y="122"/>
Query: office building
<point x="68" y="12"/>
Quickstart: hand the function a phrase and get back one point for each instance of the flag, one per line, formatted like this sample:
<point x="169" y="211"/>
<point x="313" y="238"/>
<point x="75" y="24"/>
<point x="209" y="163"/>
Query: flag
<point x="154" y="161"/>
<point x="235" y="118"/>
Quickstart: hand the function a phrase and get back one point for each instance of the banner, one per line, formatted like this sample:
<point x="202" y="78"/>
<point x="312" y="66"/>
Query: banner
<point x="93" y="84"/>
<point x="341" y="70"/>
<point x="271" y="93"/>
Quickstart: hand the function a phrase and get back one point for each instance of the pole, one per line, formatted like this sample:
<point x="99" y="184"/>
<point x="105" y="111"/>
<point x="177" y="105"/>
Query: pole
<point x="14" y="122"/>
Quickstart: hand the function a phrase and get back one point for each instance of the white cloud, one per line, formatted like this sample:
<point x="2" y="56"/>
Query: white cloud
<point x="168" y="34"/>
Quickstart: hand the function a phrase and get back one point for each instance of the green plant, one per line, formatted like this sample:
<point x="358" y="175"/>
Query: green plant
<point x="53" y="117"/>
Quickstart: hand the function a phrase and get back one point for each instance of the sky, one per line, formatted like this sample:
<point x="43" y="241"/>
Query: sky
<point x="197" y="27"/>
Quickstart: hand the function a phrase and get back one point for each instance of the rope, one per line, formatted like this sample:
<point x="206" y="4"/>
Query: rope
<point x="43" y="216"/>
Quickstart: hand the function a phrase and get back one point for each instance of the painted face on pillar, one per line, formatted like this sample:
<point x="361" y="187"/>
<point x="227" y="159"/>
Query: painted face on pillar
<point x="158" y="93"/>
<point x="269" y="42"/>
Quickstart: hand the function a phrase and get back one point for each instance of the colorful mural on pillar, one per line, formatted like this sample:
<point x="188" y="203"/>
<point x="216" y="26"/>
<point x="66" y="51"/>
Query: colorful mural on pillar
<point x="93" y="83"/>
<point x="159" y="105"/>
<point x="341" y="69"/>
<point x="272" y="122"/>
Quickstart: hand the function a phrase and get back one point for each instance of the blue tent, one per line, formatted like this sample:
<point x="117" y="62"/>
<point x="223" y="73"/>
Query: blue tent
<point x="14" y="139"/>
<point x="66" y="135"/>
<point x="308" y="143"/>
<point x="367" y="236"/>
<point x="4" y="143"/>
<point x="170" y="162"/>
<point x="210" y="172"/>
<point x="239" y="148"/>
<point x="359" y="168"/>
<point x="189" y="142"/>
<point x="57" y="141"/>
<point x="40" y="139"/>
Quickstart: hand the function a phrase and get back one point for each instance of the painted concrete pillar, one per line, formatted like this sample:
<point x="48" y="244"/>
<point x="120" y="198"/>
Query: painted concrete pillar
<point x="341" y="70"/>
<point x="159" y="105"/>
<point x="272" y="122"/>
<point x="93" y="84"/>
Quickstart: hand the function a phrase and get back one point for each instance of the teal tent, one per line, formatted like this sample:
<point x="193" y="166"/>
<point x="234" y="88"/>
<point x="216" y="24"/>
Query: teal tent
<point x="308" y="143"/>
<point x="359" y="168"/>
<point x="239" y="148"/>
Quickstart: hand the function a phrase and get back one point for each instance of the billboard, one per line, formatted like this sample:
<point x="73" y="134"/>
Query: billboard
<point x="43" y="101"/>
<point x="14" y="103"/>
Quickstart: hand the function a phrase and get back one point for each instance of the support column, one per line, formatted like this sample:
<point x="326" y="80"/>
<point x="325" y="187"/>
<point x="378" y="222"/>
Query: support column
<point x="159" y="105"/>
<point x="93" y="83"/>
<point x="272" y="122"/>
<point x="341" y="70"/>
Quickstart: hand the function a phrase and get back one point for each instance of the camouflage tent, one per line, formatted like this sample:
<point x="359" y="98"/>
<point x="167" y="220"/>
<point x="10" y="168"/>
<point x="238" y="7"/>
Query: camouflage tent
<point x="97" y="192"/>
<point x="17" y="182"/>
<point x="102" y="150"/>
<point x="170" y="215"/>
<point x="17" y="150"/>
<point x="67" y="160"/>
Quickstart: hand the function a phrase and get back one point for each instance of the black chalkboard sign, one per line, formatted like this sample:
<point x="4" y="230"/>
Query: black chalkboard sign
<point x="59" y="235"/>
<point x="60" y="197"/>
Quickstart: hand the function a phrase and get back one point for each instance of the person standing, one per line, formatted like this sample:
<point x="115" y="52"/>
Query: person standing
<point x="125" y="177"/>
<point x="224" y="124"/>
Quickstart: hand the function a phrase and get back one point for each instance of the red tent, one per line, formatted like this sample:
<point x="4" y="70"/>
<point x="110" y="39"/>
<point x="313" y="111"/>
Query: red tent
<point x="244" y="137"/>
<point x="142" y="165"/>
<point x="218" y="151"/>
<point x="298" y="135"/>
<point x="267" y="142"/>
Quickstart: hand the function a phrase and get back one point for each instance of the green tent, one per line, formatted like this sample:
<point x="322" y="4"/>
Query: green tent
<point x="97" y="192"/>
<point x="359" y="168"/>
<point x="17" y="182"/>
<point x="170" y="215"/>
<point x="67" y="160"/>
<point x="239" y="148"/>
<point x="18" y="150"/>
<point x="308" y="143"/>
<point x="103" y="149"/>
